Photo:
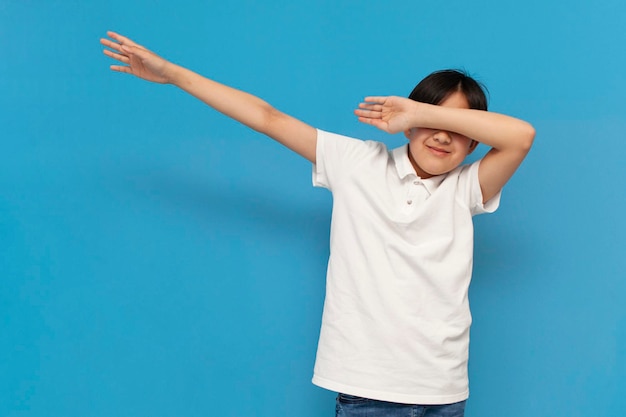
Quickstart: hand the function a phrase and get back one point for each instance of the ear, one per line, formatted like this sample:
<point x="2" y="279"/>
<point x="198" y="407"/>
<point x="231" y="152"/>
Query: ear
<point x="408" y="133"/>
<point x="473" y="144"/>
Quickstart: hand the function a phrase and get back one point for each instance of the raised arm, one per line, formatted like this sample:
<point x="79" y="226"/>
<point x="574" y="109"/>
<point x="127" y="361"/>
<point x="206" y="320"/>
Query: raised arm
<point x="509" y="138"/>
<point x="239" y="105"/>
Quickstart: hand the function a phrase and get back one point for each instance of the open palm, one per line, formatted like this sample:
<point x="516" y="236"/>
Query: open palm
<point x="391" y="114"/>
<point x="138" y="60"/>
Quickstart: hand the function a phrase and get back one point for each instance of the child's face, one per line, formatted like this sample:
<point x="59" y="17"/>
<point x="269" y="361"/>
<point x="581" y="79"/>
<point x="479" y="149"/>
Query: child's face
<point x="435" y="152"/>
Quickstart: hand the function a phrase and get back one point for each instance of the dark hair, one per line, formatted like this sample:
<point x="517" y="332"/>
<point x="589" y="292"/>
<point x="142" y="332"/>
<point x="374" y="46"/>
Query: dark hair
<point x="436" y="87"/>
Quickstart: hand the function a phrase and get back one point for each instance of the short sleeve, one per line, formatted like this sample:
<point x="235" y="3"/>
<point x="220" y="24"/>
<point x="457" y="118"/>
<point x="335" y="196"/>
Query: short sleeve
<point x="338" y="155"/>
<point x="469" y="185"/>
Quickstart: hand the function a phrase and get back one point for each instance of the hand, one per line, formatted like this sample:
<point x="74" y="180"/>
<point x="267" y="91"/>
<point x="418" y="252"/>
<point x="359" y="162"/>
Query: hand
<point x="139" y="61"/>
<point x="391" y="114"/>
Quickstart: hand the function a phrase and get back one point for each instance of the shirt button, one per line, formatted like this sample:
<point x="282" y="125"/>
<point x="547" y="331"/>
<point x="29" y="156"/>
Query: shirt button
<point x="416" y="182"/>
<point x="409" y="202"/>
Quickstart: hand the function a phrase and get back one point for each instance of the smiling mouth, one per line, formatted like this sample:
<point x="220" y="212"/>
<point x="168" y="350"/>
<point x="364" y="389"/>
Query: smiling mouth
<point x="437" y="151"/>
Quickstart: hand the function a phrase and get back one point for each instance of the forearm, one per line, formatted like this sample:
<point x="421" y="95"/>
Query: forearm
<point x="493" y="129"/>
<point x="236" y="104"/>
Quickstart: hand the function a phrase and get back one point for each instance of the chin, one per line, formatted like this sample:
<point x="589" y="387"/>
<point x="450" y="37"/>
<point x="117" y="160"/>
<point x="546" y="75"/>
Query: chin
<point x="433" y="169"/>
<point x="438" y="171"/>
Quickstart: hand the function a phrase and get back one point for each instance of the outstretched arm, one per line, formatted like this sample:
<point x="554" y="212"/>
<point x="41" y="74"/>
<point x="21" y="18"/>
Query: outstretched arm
<point x="509" y="138"/>
<point x="239" y="105"/>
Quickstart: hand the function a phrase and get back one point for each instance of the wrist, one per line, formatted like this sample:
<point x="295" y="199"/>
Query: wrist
<point x="418" y="113"/>
<point x="173" y="74"/>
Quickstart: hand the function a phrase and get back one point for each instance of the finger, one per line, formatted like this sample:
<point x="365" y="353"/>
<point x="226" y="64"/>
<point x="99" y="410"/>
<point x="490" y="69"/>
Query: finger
<point x="119" y="57"/>
<point x="369" y="106"/>
<point x="366" y="120"/>
<point x="136" y="51"/>
<point x="122" y="39"/>
<point x="368" y="114"/>
<point x="373" y="122"/>
<point x="113" y="45"/>
<point x="121" y="68"/>
<point x="376" y="123"/>
<point x="375" y="99"/>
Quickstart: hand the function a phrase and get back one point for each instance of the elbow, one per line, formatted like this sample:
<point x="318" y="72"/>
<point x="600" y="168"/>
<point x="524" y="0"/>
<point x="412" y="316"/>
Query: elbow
<point x="268" y="120"/>
<point x="527" y="137"/>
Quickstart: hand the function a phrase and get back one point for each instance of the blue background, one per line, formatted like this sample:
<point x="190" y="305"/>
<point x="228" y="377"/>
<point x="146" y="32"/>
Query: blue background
<point x="158" y="259"/>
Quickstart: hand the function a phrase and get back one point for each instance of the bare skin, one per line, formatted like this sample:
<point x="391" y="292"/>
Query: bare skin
<point x="433" y="131"/>
<point x="510" y="139"/>
<point x="239" y="105"/>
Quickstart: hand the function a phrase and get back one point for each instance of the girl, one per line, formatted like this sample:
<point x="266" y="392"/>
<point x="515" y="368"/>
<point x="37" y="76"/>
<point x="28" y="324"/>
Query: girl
<point x="395" y="328"/>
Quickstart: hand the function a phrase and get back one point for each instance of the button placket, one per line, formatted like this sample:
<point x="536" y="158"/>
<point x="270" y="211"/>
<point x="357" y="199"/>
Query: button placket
<point x="411" y="194"/>
<point x="416" y="194"/>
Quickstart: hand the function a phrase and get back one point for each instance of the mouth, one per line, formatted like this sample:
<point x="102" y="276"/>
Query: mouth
<point x="438" y="151"/>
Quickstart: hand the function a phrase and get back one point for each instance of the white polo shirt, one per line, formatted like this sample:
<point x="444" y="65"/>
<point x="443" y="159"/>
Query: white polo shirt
<point x="396" y="317"/>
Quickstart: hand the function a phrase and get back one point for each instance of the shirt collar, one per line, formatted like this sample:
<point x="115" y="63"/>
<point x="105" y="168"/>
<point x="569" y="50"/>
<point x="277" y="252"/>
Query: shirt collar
<point x="405" y="169"/>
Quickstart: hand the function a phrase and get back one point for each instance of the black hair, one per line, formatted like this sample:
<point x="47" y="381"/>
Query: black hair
<point x="439" y="85"/>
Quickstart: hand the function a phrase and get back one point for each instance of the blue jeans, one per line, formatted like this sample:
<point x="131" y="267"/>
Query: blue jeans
<point x="351" y="406"/>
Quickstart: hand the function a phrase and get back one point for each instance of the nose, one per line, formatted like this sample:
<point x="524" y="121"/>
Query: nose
<point x="443" y="137"/>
